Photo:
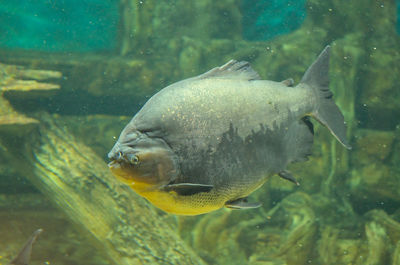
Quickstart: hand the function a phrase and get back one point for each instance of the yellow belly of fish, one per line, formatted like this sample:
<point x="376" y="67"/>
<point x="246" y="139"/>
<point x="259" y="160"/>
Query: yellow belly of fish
<point x="173" y="203"/>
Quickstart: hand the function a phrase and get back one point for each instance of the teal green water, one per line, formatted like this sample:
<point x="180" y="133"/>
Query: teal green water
<point x="93" y="25"/>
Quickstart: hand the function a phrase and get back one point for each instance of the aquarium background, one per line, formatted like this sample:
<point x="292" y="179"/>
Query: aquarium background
<point x="72" y="74"/>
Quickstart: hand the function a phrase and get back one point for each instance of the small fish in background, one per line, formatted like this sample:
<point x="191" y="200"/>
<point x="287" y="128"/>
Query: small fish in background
<point x="209" y="141"/>
<point x="24" y="255"/>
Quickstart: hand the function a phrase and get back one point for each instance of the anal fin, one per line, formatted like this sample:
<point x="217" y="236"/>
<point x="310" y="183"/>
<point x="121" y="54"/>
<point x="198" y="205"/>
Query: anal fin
<point x="288" y="176"/>
<point x="242" y="203"/>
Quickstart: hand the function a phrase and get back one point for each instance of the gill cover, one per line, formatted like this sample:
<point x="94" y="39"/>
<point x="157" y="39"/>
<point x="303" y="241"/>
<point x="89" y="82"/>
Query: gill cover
<point x="138" y="158"/>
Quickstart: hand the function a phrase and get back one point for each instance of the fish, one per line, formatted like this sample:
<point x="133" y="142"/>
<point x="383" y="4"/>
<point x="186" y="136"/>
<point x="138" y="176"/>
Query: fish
<point x="208" y="142"/>
<point x="24" y="255"/>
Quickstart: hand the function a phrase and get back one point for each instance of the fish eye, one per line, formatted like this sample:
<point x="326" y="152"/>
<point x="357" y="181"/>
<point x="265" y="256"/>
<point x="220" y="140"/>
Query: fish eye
<point x="134" y="160"/>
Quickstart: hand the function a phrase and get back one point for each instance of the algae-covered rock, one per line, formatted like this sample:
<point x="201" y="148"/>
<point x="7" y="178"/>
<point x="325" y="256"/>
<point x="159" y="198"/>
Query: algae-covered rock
<point x="395" y="156"/>
<point x="372" y="145"/>
<point x="371" y="25"/>
<point x="374" y="184"/>
<point x="333" y="249"/>
<point x="147" y="26"/>
<point x="23" y="83"/>
<point x="19" y="80"/>
<point x="377" y="242"/>
<point x="381" y="239"/>
<point x="60" y="242"/>
<point x="369" y="16"/>
<point x="391" y="226"/>
<point x="396" y="254"/>
<point x="374" y="177"/>
<point x="383" y="235"/>
<point x="372" y="240"/>
<point x="378" y="103"/>
<point x="283" y="235"/>
<point x="297" y="246"/>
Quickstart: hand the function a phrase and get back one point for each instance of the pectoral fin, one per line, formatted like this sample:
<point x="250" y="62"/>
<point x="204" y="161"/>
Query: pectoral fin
<point x="186" y="189"/>
<point x="288" y="176"/>
<point x="242" y="203"/>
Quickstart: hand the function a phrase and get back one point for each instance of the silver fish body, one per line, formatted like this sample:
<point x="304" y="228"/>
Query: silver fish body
<point x="222" y="134"/>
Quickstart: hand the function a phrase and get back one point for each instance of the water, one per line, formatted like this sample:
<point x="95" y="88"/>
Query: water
<point x="59" y="25"/>
<point x="105" y="59"/>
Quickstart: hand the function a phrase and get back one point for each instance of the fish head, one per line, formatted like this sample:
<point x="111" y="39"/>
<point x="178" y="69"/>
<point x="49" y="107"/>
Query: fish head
<point x="142" y="161"/>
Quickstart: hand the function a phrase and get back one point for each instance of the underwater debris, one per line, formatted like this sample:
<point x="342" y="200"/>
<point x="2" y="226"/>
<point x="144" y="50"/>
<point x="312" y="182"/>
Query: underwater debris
<point x="13" y="79"/>
<point x="286" y="234"/>
<point x="64" y="243"/>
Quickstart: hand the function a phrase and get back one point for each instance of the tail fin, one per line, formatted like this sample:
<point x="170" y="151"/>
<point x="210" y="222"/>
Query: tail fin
<point x="326" y="111"/>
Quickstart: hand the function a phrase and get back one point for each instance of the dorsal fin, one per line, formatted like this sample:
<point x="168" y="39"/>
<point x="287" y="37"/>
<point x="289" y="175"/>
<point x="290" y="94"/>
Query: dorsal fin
<point x="232" y="70"/>
<point x="24" y="255"/>
<point x="288" y="82"/>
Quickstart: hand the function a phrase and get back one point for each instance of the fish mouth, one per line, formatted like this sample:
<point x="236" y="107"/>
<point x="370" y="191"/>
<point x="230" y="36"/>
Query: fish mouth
<point x="129" y="173"/>
<point x="121" y="170"/>
<point x="114" y="164"/>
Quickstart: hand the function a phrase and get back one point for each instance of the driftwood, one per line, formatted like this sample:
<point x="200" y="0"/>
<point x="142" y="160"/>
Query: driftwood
<point x="19" y="79"/>
<point x="124" y="226"/>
